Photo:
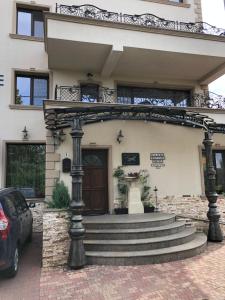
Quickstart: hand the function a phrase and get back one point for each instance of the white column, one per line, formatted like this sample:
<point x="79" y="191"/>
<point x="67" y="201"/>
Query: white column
<point x="135" y="205"/>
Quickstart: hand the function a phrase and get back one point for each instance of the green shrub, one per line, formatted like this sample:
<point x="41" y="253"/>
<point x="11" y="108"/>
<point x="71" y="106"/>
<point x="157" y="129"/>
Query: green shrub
<point x="60" y="196"/>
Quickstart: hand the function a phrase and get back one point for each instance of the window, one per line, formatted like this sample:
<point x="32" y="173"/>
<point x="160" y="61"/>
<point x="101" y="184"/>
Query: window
<point x="8" y="201"/>
<point x="219" y="165"/>
<point x="26" y="169"/>
<point x="152" y="96"/>
<point x="30" y="22"/>
<point x="89" y="92"/>
<point x="31" y="89"/>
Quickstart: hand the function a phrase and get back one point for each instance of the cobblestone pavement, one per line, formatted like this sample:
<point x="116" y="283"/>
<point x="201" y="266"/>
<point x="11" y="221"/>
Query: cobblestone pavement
<point x="26" y="285"/>
<point x="198" y="278"/>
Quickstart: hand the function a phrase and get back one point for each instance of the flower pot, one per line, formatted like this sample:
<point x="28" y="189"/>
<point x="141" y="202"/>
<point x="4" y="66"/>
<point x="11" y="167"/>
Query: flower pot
<point x="148" y="209"/>
<point x="121" y="211"/>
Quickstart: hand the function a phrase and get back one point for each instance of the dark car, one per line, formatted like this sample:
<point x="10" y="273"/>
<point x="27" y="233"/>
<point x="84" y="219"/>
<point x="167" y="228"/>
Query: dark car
<point x="15" y="229"/>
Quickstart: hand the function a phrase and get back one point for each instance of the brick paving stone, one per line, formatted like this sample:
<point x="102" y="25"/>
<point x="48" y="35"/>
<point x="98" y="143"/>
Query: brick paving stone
<point x="198" y="278"/>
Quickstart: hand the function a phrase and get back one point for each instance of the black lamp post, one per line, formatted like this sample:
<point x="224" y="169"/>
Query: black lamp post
<point x="76" y="258"/>
<point x="214" y="232"/>
<point x="156" y="199"/>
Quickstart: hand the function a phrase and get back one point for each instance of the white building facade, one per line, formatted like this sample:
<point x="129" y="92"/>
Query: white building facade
<point x="139" y="52"/>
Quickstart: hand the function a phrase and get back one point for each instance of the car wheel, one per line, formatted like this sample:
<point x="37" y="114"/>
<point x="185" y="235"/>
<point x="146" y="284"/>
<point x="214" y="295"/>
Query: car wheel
<point x="13" y="269"/>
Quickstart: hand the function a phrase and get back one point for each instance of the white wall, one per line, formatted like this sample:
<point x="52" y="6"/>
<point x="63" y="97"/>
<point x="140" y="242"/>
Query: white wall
<point x="181" y="145"/>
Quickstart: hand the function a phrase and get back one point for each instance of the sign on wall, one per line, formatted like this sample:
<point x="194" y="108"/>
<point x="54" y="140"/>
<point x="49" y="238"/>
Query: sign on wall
<point x="130" y="159"/>
<point x="1" y="80"/>
<point x="158" y="160"/>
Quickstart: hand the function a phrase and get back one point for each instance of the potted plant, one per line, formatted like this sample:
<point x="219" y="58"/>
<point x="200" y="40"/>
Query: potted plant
<point x="143" y="177"/>
<point x="122" y="191"/>
<point x="149" y="207"/>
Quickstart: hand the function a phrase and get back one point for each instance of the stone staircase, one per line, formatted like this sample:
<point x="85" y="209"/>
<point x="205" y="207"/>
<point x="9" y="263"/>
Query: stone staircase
<point x="139" y="239"/>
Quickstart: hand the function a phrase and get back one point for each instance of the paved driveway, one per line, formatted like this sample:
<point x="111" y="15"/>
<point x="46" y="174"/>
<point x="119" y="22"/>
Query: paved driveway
<point x="26" y="285"/>
<point x="198" y="278"/>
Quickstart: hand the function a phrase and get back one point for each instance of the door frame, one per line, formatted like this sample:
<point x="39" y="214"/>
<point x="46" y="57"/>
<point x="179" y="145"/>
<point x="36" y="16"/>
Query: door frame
<point x="110" y="171"/>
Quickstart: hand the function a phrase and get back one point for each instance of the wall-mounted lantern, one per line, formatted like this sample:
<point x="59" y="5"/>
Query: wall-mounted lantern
<point x="25" y="134"/>
<point x="59" y="136"/>
<point x="120" y="136"/>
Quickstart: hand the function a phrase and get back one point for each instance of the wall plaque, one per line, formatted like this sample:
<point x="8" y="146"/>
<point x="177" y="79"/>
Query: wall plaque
<point x="130" y="159"/>
<point x="157" y="160"/>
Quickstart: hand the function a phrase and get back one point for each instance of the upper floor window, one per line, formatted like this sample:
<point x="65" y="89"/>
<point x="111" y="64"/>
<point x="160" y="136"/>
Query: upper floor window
<point x="30" y="22"/>
<point x="89" y="92"/>
<point x="31" y="89"/>
<point x="153" y="96"/>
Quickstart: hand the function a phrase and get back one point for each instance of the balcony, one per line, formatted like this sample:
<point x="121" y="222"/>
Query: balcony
<point x="115" y="45"/>
<point x="152" y="97"/>
<point x="144" y="20"/>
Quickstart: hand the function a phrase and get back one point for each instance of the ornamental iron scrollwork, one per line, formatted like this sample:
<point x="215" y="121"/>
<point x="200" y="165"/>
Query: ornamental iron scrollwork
<point x="88" y="11"/>
<point x="202" y="28"/>
<point x="107" y="95"/>
<point x="146" y="20"/>
<point x="209" y="100"/>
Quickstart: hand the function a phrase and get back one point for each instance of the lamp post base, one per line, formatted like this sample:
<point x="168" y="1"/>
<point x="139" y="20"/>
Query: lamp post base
<point x="77" y="257"/>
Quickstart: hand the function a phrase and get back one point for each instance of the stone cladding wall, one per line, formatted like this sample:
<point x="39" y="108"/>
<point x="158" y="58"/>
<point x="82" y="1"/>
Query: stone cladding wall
<point x="37" y="213"/>
<point x="56" y="239"/>
<point x="190" y="207"/>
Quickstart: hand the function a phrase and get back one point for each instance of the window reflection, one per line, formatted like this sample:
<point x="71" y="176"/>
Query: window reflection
<point x="30" y="22"/>
<point x="31" y="90"/>
<point x="152" y="96"/>
<point x="24" y="23"/>
<point x="219" y="164"/>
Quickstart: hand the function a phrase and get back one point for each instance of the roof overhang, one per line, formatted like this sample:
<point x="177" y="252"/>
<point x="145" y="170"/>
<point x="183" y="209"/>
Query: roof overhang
<point x="127" y="50"/>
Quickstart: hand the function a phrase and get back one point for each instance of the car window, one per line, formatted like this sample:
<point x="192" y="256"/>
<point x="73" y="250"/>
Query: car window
<point x="22" y="202"/>
<point x="8" y="201"/>
<point x="17" y="202"/>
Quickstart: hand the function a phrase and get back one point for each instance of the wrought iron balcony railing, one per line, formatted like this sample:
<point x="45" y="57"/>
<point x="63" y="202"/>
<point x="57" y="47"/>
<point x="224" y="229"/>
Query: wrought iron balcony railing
<point x="144" y="20"/>
<point x="106" y="95"/>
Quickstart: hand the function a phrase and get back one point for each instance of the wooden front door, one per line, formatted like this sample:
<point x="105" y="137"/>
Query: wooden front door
<point x="95" y="180"/>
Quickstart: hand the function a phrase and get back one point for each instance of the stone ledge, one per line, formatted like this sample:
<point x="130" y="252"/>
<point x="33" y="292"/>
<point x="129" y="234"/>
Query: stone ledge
<point x="26" y="37"/>
<point x="166" y="2"/>
<point x="56" y="210"/>
<point x="25" y="107"/>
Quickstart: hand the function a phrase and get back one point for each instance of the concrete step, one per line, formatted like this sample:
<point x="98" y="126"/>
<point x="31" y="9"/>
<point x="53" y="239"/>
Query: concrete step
<point x="134" y="233"/>
<point x="189" y="249"/>
<point x="141" y="244"/>
<point x="128" y="221"/>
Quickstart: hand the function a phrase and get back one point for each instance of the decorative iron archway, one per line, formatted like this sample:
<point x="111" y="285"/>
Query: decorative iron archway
<point x="79" y="114"/>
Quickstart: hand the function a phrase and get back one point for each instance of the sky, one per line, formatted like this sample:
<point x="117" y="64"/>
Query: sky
<point x="214" y="14"/>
